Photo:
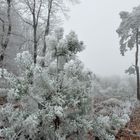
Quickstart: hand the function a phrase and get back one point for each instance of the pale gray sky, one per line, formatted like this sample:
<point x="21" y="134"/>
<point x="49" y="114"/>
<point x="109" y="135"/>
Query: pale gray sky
<point x="95" y="22"/>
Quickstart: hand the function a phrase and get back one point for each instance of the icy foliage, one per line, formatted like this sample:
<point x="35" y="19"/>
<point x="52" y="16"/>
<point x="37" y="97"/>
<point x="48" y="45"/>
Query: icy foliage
<point x="113" y="103"/>
<point x="60" y="101"/>
<point x="62" y="49"/>
<point x="127" y="29"/>
<point x="131" y="70"/>
<point x="24" y="60"/>
<point x="100" y="126"/>
<point x="73" y="43"/>
<point x="47" y="103"/>
<point x="43" y="103"/>
<point x="111" y="116"/>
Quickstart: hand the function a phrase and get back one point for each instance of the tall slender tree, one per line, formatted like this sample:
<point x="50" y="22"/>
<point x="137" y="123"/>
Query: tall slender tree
<point x="6" y="31"/>
<point x="40" y="14"/>
<point x="31" y="14"/>
<point x="128" y="32"/>
<point x="47" y="28"/>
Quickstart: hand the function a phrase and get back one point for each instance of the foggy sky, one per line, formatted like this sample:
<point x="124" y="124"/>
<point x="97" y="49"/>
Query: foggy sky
<point x="95" y="22"/>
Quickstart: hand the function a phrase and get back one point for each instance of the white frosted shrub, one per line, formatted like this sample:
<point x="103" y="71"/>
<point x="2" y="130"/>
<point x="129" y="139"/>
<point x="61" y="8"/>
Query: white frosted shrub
<point x="45" y="104"/>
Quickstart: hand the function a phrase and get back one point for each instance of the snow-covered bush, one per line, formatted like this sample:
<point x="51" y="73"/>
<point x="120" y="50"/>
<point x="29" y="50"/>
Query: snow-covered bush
<point x="61" y="100"/>
<point x="47" y="103"/>
<point x="110" y="116"/>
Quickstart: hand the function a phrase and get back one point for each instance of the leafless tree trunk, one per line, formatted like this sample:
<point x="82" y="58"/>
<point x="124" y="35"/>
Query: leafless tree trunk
<point x="35" y="20"/>
<point x="136" y="64"/>
<point x="34" y="32"/>
<point x="5" y="35"/>
<point x="47" y="29"/>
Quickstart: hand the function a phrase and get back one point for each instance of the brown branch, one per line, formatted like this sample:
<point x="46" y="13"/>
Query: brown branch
<point x="38" y="13"/>
<point x="22" y="17"/>
<point x="28" y="4"/>
<point x="1" y="20"/>
<point x="47" y="29"/>
<point x="3" y="31"/>
<point x="9" y="26"/>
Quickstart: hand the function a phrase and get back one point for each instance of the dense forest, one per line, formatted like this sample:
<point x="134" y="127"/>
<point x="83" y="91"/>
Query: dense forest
<point x="46" y="93"/>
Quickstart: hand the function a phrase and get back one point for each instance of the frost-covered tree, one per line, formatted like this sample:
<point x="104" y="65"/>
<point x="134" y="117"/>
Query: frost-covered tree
<point x="13" y="35"/>
<point x="62" y="49"/>
<point x="44" y="104"/>
<point x="41" y="16"/>
<point x="53" y="7"/>
<point x="128" y="32"/>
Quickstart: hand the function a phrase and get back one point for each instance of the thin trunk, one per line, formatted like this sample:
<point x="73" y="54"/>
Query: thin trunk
<point x="4" y="42"/>
<point x="136" y="64"/>
<point x="35" y="32"/>
<point x="47" y="30"/>
<point x="35" y="44"/>
<point x="57" y="78"/>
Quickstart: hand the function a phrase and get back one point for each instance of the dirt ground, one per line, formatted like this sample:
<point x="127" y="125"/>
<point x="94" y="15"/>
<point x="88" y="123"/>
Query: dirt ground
<point x="132" y="129"/>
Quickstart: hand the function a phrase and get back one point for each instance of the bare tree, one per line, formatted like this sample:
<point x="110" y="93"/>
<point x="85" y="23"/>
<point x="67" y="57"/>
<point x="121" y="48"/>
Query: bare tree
<point x="39" y="15"/>
<point x="6" y="32"/>
<point x="136" y="63"/>
<point x="47" y="29"/>
<point x="32" y="10"/>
